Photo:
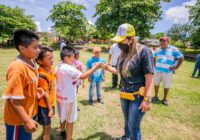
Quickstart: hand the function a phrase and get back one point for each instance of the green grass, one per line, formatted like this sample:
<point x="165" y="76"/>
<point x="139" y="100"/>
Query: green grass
<point x="179" y="121"/>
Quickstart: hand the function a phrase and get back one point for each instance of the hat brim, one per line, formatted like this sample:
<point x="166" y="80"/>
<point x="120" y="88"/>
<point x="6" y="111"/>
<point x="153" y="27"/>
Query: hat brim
<point x="118" y="39"/>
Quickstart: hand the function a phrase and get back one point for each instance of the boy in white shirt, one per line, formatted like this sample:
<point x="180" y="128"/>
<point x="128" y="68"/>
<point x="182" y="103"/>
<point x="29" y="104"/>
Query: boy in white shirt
<point x="67" y="77"/>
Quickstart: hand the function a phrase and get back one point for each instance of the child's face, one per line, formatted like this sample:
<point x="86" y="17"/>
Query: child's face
<point x="69" y="59"/>
<point x="47" y="60"/>
<point x="31" y="51"/>
<point x="97" y="54"/>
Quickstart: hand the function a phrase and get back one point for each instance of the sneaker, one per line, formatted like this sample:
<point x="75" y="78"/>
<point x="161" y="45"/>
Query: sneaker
<point x="165" y="102"/>
<point x="63" y="134"/>
<point x="155" y="99"/>
<point x="91" y="103"/>
<point x="100" y="101"/>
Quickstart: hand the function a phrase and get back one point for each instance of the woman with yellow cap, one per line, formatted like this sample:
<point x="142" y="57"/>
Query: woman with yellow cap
<point x="135" y="66"/>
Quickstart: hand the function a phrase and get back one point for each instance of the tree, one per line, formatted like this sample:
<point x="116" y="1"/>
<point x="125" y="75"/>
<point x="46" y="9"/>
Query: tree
<point x="195" y="20"/>
<point x="159" y="35"/>
<point x="69" y="21"/>
<point x="180" y="32"/>
<point x="13" y="18"/>
<point x="141" y="13"/>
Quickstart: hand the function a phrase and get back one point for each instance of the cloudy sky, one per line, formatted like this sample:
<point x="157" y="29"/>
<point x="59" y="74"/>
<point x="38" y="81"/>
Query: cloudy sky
<point x="173" y="12"/>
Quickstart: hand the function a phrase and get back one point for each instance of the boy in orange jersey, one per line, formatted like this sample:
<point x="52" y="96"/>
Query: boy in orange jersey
<point x="46" y="104"/>
<point x="21" y="92"/>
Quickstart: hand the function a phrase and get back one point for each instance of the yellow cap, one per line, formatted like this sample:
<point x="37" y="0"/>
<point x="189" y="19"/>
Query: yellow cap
<point x="124" y="30"/>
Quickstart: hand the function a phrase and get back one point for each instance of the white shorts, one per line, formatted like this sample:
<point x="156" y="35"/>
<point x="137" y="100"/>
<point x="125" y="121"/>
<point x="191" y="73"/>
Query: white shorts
<point x="67" y="111"/>
<point x="165" y="78"/>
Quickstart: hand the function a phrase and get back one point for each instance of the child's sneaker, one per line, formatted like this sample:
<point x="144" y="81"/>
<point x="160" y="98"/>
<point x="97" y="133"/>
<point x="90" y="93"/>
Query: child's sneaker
<point x="155" y="99"/>
<point x="100" y="101"/>
<point x="165" y="102"/>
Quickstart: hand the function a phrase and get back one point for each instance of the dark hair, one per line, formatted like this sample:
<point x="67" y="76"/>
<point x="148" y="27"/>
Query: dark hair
<point x="66" y="51"/>
<point x="23" y="37"/>
<point x="43" y="51"/>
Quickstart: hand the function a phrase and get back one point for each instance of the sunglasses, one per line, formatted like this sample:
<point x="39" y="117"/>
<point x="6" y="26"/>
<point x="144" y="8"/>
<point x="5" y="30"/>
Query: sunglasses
<point x="163" y="40"/>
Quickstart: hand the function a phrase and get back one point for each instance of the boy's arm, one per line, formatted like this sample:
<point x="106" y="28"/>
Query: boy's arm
<point x="14" y="94"/>
<point x="29" y="124"/>
<point x="47" y="101"/>
<point x="90" y="71"/>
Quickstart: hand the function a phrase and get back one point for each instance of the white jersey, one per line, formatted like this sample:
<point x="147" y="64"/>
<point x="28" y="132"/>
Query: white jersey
<point x="67" y="77"/>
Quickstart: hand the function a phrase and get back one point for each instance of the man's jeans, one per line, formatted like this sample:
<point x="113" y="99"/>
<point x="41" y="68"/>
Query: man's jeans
<point x="132" y="117"/>
<point x="197" y="67"/>
<point x="94" y="84"/>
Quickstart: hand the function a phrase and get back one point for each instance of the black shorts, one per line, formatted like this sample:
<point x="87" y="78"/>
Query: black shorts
<point x="42" y="116"/>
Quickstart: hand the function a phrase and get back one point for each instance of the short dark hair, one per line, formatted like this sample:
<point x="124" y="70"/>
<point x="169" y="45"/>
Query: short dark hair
<point x="66" y="51"/>
<point x="23" y="37"/>
<point x="43" y="51"/>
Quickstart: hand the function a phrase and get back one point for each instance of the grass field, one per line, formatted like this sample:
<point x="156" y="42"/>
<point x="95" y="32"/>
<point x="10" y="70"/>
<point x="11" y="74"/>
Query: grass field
<point x="179" y="121"/>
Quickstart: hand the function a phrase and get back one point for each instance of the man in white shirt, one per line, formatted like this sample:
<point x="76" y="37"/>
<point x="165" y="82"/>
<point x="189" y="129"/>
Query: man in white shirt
<point x="62" y="44"/>
<point x="112" y="60"/>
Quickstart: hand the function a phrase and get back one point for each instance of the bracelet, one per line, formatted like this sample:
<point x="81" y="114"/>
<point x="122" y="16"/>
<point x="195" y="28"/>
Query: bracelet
<point x="148" y="98"/>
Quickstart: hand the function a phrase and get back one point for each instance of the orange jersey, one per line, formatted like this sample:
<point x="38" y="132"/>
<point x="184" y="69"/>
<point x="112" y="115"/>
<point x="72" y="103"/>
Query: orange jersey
<point x="46" y="82"/>
<point x="22" y="84"/>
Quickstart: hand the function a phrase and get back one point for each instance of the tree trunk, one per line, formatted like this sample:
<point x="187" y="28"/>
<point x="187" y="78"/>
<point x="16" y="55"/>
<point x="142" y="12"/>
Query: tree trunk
<point x="184" y="45"/>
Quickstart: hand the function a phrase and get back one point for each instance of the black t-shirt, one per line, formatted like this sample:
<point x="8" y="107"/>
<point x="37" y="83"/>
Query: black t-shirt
<point x="137" y="69"/>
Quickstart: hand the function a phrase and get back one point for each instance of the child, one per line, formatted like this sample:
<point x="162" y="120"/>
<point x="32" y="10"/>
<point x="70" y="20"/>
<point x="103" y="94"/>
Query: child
<point x="78" y="65"/>
<point x="66" y="78"/>
<point x="97" y="77"/>
<point x="21" y="89"/>
<point x="46" y="82"/>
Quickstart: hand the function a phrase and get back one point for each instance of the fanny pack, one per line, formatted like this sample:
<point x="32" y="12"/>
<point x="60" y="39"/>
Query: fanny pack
<point x="130" y="96"/>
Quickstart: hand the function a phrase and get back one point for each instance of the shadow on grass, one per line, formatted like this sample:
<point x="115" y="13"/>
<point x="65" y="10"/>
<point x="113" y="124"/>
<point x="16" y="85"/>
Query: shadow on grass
<point x="99" y="135"/>
<point x="159" y="102"/>
<point x="55" y="134"/>
<point x="86" y="103"/>
<point x="109" y="89"/>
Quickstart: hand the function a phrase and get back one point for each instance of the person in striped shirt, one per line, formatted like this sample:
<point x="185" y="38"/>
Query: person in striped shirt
<point x="164" y="58"/>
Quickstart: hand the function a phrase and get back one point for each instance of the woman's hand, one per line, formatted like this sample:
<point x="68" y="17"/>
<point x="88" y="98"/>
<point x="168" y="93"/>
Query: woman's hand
<point x="145" y="106"/>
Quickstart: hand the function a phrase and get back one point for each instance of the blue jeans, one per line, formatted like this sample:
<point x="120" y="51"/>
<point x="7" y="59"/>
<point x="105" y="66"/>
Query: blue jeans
<point x="196" y="67"/>
<point x="132" y="117"/>
<point x="94" y="84"/>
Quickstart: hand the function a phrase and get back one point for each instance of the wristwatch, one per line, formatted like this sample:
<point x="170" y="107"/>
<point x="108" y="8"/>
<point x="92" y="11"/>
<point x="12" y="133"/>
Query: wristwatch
<point x="148" y="99"/>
